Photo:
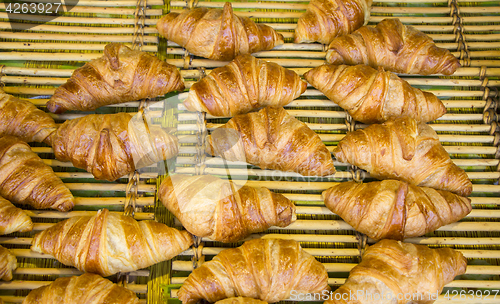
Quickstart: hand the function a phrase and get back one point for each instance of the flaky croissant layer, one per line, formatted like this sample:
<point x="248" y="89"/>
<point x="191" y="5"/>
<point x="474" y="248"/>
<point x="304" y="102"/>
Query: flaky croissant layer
<point x="374" y="96"/>
<point x="217" y="34"/>
<point x="112" y="145"/>
<point x="8" y="263"/>
<point x="208" y="206"/>
<point x="394" y="209"/>
<point x="395" y="47"/>
<point x="247" y="83"/>
<point x="13" y="219"/>
<point x="120" y="75"/>
<point x="85" y="289"/>
<point x="108" y="243"/>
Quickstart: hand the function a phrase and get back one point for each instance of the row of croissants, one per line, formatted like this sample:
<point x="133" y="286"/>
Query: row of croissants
<point x="426" y="189"/>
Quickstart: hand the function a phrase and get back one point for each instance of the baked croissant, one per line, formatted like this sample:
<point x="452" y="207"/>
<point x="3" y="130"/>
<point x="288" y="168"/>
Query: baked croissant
<point x="112" y="145"/>
<point x="272" y="139"/>
<point x="394" y="209"/>
<point x="8" y="263"/>
<point x="326" y="19"/>
<point x="108" y="243"/>
<point x="208" y="206"/>
<point x="405" y="150"/>
<point x="217" y="34"/>
<point x="392" y="270"/>
<point x="85" y="289"/>
<point x="120" y="75"/>
<point x="13" y="219"/>
<point x="26" y="179"/>
<point x="265" y="269"/>
<point x="23" y="119"/>
<point x="396" y="47"/>
<point x="240" y="300"/>
<point x="372" y="96"/>
<point x="245" y="84"/>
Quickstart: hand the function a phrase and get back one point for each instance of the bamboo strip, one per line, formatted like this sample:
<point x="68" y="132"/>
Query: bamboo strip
<point x="122" y="29"/>
<point x="15" y="299"/>
<point x="20" y="285"/>
<point x="73" y="37"/>
<point x="66" y="272"/>
<point x="141" y="201"/>
<point x="67" y="175"/>
<point x="66" y="46"/>
<point x="112" y="10"/>
<point x="140" y="216"/>
<point x="81" y="20"/>
<point x="107" y="3"/>
<point x="107" y="187"/>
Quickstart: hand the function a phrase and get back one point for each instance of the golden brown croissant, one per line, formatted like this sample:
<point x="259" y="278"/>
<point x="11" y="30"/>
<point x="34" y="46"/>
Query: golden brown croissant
<point x="262" y="269"/>
<point x="372" y="96"/>
<point x="112" y="145"/>
<point x="13" y="219"/>
<point x="245" y="84"/>
<point x="394" y="209"/>
<point x="272" y="139"/>
<point x="23" y="119"/>
<point x="85" y="289"/>
<point x="326" y="19"/>
<point x="396" y="47"/>
<point x="8" y="263"/>
<point x="405" y="150"/>
<point x="217" y="34"/>
<point x="208" y="206"/>
<point x="26" y="179"/>
<point x="108" y="243"/>
<point x="240" y="300"/>
<point x="392" y="270"/>
<point x="121" y="75"/>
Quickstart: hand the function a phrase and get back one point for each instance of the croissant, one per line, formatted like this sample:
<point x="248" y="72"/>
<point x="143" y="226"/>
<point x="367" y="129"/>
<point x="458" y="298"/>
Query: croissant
<point x="85" y="289"/>
<point x="263" y="269"/>
<point x="112" y="145"/>
<point x="208" y="206"/>
<point x="120" y="75"/>
<point x="23" y="119"/>
<point x="372" y="96"/>
<point x="217" y="34"/>
<point x="240" y="300"/>
<point x="108" y="243"/>
<point x="272" y="139"/>
<point x="326" y="19"/>
<point x="405" y="150"/>
<point x="243" y="85"/>
<point x="394" y="209"/>
<point x="396" y="47"/>
<point x="391" y="270"/>
<point x="26" y="179"/>
<point x="8" y="263"/>
<point x="13" y="219"/>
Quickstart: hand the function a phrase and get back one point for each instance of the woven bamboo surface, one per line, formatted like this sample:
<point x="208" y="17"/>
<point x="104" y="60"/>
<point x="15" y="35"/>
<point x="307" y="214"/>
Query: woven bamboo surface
<point x="34" y="61"/>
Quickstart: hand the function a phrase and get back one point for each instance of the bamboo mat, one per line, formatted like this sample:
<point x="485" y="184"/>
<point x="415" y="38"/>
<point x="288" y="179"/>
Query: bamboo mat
<point x="34" y="61"/>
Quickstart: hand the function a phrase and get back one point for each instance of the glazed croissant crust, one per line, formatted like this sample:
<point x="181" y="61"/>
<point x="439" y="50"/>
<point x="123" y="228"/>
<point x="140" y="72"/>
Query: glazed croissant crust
<point x="120" y="75"/>
<point x="395" y="47"/>
<point x="372" y="96"/>
<point x="13" y="219"/>
<point x="405" y="150"/>
<point x="108" y="243"/>
<point x="23" y="119"/>
<point x="262" y="269"/>
<point x="8" y="263"/>
<point x="208" y="206"/>
<point x="26" y="179"/>
<point x="112" y="145"/>
<point x="245" y="84"/>
<point x="326" y="19"/>
<point x="390" y="268"/>
<point x="394" y="209"/>
<point x="85" y="289"/>
<point x="217" y="34"/>
<point x="272" y="139"/>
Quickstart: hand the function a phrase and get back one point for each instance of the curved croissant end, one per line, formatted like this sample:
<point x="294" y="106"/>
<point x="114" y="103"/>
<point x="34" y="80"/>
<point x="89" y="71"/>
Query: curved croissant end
<point x="13" y="219"/>
<point x="217" y="34"/>
<point x="120" y="75"/>
<point x="8" y="263"/>
<point x="395" y="47"/>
